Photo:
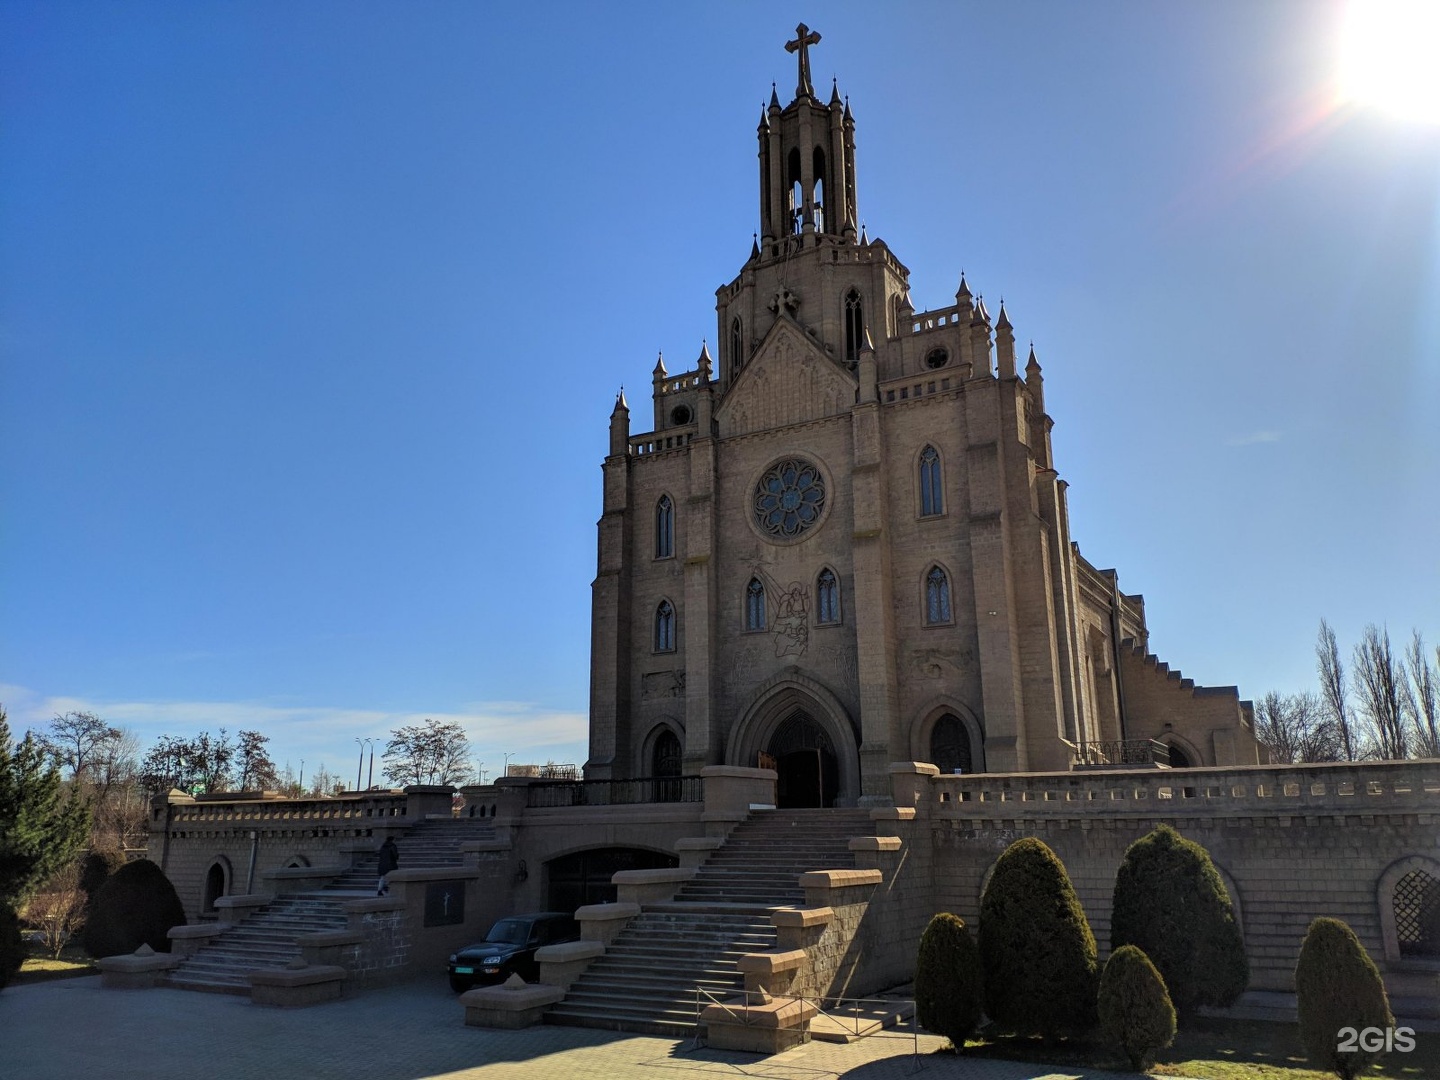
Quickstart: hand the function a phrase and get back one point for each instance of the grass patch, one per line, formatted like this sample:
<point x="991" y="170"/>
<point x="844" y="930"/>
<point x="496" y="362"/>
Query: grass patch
<point x="40" y="966"/>
<point x="1212" y="1049"/>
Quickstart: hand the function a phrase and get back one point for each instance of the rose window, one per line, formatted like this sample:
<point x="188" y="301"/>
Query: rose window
<point x="789" y="498"/>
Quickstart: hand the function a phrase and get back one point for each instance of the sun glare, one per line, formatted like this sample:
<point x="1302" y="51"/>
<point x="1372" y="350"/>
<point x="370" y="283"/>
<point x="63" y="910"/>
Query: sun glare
<point x="1390" y="57"/>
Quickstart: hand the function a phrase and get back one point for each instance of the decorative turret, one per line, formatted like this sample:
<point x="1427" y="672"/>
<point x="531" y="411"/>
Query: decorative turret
<point x="980" y="338"/>
<point x="705" y="397"/>
<point x="1035" y="381"/>
<point x="659" y="372"/>
<point x="1004" y="345"/>
<point x="620" y="426"/>
<point x="866" y="371"/>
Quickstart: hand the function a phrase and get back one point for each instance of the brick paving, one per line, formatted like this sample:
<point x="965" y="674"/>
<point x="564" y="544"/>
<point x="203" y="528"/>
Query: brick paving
<point x="71" y="1028"/>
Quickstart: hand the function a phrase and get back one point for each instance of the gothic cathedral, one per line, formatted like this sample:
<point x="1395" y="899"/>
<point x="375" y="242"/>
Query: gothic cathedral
<point x="846" y="543"/>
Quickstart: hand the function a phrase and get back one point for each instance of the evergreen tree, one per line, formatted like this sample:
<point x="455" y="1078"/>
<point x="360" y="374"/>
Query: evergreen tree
<point x="1171" y="904"/>
<point x="1036" y="948"/>
<point x="948" y="983"/>
<point x="41" y="827"/>
<point x="1338" y="986"/>
<point x="1134" y="1006"/>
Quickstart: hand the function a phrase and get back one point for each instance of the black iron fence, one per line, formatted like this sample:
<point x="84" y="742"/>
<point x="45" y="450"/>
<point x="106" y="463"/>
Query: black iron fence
<point x="1122" y="752"/>
<point x="643" y="789"/>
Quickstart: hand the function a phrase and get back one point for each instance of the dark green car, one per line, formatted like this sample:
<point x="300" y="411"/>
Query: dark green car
<point x="509" y="949"/>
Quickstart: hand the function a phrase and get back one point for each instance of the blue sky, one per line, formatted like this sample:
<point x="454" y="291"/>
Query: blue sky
<point x="312" y="316"/>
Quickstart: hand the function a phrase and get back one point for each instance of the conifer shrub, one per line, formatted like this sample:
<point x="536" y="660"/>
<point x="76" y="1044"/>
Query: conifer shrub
<point x="1171" y="903"/>
<point x="95" y="870"/>
<point x="1036" y="949"/>
<point x="948" y="983"/>
<point x="1338" y="986"/>
<point x="1134" y="1006"/>
<point x="12" y="945"/>
<point x="136" y="906"/>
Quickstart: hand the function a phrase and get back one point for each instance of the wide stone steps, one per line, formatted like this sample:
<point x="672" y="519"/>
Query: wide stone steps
<point x="647" y="981"/>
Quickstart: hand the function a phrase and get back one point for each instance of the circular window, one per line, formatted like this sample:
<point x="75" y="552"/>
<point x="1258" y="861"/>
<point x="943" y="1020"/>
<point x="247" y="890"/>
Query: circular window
<point x="680" y="415"/>
<point x="936" y="358"/>
<point x="789" y="498"/>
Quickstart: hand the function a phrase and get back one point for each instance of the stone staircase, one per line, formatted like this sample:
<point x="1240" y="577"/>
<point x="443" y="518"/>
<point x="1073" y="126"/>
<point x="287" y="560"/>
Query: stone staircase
<point x="647" y="979"/>
<point x="269" y="936"/>
<point x="266" y="939"/>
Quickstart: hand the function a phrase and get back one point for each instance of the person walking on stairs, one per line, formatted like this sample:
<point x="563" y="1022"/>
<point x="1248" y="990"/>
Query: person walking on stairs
<point x="389" y="860"/>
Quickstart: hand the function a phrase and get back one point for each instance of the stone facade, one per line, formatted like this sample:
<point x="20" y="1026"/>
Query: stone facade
<point x="846" y="543"/>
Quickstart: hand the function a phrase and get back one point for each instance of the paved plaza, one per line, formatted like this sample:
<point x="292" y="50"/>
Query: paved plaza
<point x="72" y="1028"/>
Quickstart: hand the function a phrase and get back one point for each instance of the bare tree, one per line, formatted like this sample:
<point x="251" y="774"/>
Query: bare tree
<point x="1423" y="678"/>
<point x="256" y="770"/>
<point x="202" y="762"/>
<point x="1296" y="728"/>
<point x="1384" y="691"/>
<point x="428" y="753"/>
<point x="58" y="909"/>
<point x="1333" y="689"/>
<point x="102" y="760"/>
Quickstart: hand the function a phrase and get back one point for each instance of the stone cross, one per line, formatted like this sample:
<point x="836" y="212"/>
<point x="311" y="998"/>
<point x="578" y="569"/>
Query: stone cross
<point x="804" y="38"/>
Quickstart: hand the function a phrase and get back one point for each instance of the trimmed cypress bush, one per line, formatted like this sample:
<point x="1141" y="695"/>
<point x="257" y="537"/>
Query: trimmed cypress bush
<point x="1338" y="986"/>
<point x="1171" y="904"/>
<point x="12" y="945"/>
<point x="1036" y="949"/>
<point x="136" y="906"/>
<point x="948" y="984"/>
<point x="1134" y="1006"/>
<point x="95" y="870"/>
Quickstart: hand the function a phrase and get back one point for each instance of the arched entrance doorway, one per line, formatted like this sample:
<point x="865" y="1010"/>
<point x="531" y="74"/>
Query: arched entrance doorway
<point x="214" y="888"/>
<point x="808" y="773"/>
<point x="950" y="746"/>
<point x="665" y="760"/>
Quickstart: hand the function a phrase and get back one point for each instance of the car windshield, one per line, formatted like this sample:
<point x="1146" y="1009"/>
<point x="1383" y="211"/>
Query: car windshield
<point x="509" y="932"/>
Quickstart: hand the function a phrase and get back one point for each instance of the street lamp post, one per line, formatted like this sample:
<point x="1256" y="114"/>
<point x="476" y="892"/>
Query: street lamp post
<point x="370" y="779"/>
<point x="360" y="765"/>
<point x="507" y="764"/>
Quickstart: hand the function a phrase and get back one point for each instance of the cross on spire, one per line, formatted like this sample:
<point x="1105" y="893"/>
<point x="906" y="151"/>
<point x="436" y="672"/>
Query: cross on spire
<point x="804" y="38"/>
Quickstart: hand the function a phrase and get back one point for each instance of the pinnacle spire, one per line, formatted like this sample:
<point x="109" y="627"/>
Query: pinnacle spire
<point x="834" y="92"/>
<point x="774" y="97"/>
<point x="660" y="371"/>
<point x="754" y="246"/>
<point x="704" y="364"/>
<point x="1032" y="366"/>
<point x="964" y="290"/>
<point x="1003" y="322"/>
<point x="620" y="403"/>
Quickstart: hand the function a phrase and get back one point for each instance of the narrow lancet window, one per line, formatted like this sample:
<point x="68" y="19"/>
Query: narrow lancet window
<point x="664" y="528"/>
<point x="665" y="627"/>
<point x="932" y="488"/>
<point x="937" y="597"/>
<point x="827" y="597"/>
<point x="737" y="346"/>
<point x="755" y="605"/>
<point x="854" y="326"/>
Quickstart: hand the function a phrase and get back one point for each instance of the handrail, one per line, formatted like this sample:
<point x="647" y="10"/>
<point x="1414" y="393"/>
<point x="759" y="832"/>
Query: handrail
<point x="641" y="790"/>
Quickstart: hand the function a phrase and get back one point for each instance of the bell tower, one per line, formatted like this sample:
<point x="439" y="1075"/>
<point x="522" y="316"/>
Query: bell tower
<point x="807" y="159"/>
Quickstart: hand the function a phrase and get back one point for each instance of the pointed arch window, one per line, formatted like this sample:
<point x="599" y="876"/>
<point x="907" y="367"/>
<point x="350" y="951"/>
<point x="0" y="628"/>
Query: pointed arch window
<point x="737" y="345"/>
<point x="937" y="598"/>
<point x="932" y="486"/>
<point x="665" y="627"/>
<point x="664" y="528"/>
<point x="755" y="605"/>
<point x="827" y="597"/>
<point x="854" y="326"/>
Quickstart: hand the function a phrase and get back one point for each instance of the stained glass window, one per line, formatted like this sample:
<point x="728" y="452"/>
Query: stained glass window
<point x="755" y="605"/>
<point x="827" y="597"/>
<point x="665" y="627"/>
<point x="789" y="498"/>
<point x="937" y="597"/>
<point x="932" y="491"/>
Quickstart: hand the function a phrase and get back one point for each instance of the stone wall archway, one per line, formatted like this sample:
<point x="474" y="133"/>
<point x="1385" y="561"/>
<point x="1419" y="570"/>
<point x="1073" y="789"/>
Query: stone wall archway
<point x="796" y="715"/>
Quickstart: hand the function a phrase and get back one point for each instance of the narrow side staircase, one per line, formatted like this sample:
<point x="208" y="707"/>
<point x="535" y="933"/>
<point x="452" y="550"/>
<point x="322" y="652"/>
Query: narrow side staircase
<point x="648" y="978"/>
<point x="269" y="936"/>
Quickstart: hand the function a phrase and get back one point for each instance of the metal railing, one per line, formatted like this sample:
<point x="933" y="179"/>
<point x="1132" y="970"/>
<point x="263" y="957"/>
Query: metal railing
<point x="1122" y="752"/>
<point x="643" y="789"/>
